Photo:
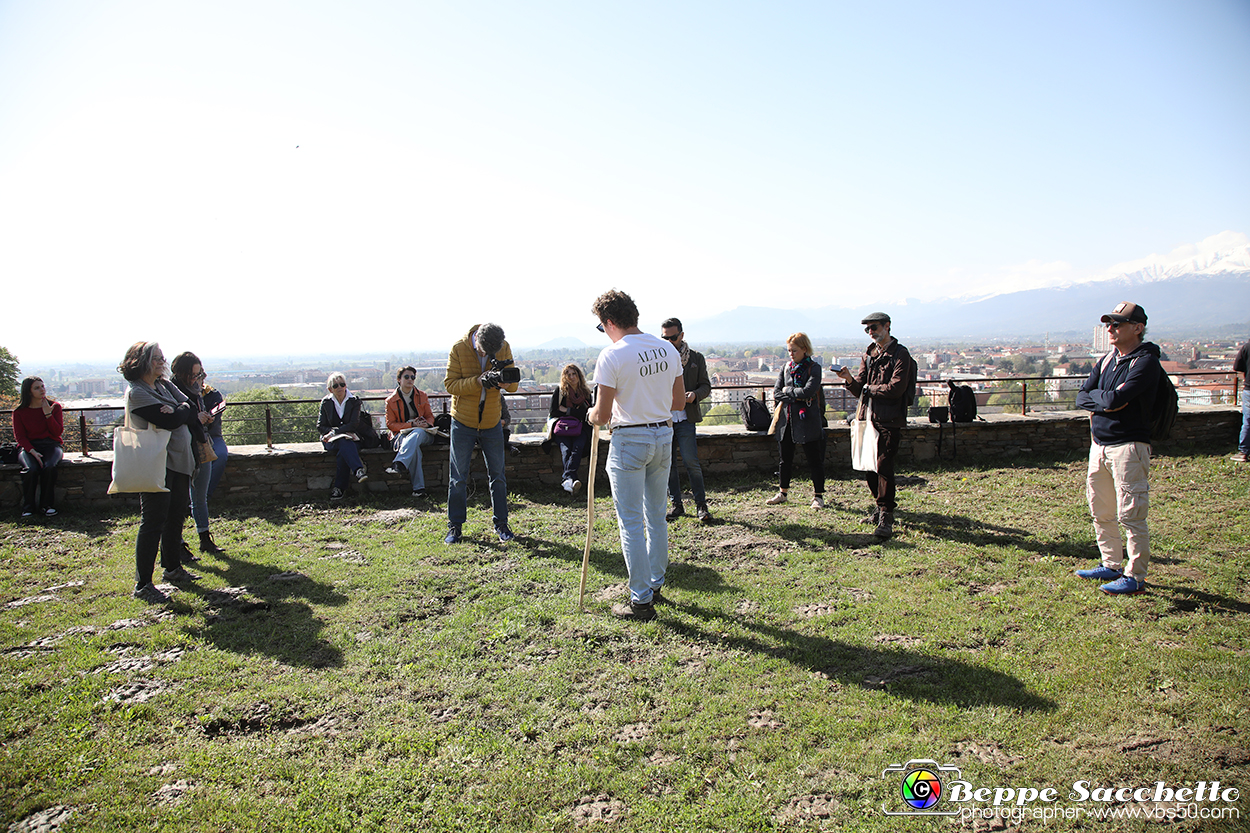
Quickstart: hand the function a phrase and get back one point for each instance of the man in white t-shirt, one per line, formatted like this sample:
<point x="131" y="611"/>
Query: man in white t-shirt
<point x="639" y="383"/>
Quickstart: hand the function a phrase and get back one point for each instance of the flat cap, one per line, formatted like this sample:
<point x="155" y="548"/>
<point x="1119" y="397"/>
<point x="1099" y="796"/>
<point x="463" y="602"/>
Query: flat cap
<point x="876" y="318"/>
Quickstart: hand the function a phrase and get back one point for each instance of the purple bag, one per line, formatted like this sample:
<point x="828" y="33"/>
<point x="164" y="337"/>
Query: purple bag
<point x="567" y="427"/>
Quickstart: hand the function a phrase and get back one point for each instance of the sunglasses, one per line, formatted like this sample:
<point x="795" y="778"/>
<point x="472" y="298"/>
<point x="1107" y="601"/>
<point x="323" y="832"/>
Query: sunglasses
<point x="201" y="375"/>
<point x="408" y="376"/>
<point x="337" y="385"/>
<point x="599" y="327"/>
<point x="1115" y="325"/>
<point x="872" y="328"/>
<point x="673" y="339"/>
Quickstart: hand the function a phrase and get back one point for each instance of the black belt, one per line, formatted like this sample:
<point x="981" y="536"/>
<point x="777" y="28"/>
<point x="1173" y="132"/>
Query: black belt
<point x="663" y="424"/>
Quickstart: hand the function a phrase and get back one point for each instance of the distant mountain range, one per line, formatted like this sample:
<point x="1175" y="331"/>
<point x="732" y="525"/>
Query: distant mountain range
<point x="1180" y="304"/>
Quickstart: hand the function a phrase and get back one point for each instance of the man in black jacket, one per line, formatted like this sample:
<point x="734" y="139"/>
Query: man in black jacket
<point x="1120" y="394"/>
<point x="884" y="378"/>
<point x="698" y="386"/>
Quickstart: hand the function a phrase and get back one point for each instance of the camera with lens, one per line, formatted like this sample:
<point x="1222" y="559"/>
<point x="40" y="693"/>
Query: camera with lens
<point x="502" y="372"/>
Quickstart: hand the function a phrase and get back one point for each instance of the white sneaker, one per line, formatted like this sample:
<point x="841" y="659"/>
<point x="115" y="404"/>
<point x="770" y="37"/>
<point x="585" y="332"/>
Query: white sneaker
<point x="818" y="502"/>
<point x="577" y="486"/>
<point x="567" y="486"/>
<point x="776" y="499"/>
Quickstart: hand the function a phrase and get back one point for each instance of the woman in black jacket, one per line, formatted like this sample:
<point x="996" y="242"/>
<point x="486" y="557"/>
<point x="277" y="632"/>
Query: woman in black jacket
<point x="189" y="377"/>
<point x="800" y="400"/>
<point x="569" y="407"/>
<point x="339" y="424"/>
<point x="154" y="399"/>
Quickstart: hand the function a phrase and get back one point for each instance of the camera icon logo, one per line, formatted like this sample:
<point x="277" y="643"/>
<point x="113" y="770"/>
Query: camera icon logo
<point x="920" y="787"/>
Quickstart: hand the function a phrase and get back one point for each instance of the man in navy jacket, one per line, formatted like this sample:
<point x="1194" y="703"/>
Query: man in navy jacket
<point x="1119" y="394"/>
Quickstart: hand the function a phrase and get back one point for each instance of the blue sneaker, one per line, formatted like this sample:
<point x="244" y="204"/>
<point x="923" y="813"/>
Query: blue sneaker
<point x="1124" y="586"/>
<point x="1101" y="573"/>
<point x="505" y="534"/>
<point x="453" y="534"/>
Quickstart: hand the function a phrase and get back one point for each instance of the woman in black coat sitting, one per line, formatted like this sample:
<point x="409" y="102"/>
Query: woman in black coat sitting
<point x="339" y="425"/>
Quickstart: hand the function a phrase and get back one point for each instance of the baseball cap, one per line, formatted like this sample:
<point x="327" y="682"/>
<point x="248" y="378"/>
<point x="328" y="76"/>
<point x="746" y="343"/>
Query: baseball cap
<point x="1126" y="311"/>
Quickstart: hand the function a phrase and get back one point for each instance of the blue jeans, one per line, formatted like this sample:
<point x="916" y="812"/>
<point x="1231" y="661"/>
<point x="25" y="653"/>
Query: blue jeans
<point x="463" y="438"/>
<point x="1243" y="442"/>
<point x="638" y="465"/>
<point x="410" y="455"/>
<point x="683" y="436"/>
<point x="199" y="495"/>
<point x="218" y="465"/>
<point x="40" y="479"/>
<point x="571" y="455"/>
<point x="348" y="454"/>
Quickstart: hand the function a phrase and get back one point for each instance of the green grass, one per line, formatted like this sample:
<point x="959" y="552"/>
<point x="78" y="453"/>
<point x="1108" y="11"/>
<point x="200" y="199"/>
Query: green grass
<point x="357" y="674"/>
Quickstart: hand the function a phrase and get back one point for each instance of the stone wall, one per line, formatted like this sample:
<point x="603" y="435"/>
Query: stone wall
<point x="302" y="473"/>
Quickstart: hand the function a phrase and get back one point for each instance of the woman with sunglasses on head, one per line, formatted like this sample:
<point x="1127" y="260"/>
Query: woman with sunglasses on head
<point x="189" y="377"/>
<point x="409" y="418"/>
<point x="800" y="401"/>
<point x="571" y="431"/>
<point x="338" y="423"/>
<point x="153" y="399"/>
<point x="37" y="427"/>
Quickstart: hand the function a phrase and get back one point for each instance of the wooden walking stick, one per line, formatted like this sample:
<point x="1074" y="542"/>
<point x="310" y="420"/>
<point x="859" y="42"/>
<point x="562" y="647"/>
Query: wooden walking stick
<point x="590" y="516"/>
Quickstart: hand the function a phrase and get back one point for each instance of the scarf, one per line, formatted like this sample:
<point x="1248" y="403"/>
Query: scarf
<point x="798" y="374"/>
<point x="685" y="352"/>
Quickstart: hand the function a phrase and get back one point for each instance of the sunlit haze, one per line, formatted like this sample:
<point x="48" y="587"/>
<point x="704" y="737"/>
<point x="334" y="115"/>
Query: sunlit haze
<point x="286" y="178"/>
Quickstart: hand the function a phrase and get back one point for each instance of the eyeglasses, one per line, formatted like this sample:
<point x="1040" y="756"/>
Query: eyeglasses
<point x="408" y="376"/>
<point x="338" y="385"/>
<point x="201" y="375"/>
<point x="599" y="327"/>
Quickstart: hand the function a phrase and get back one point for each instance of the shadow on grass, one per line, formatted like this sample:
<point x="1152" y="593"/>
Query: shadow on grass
<point x="1189" y="600"/>
<point x="275" y="617"/>
<point x="900" y="672"/>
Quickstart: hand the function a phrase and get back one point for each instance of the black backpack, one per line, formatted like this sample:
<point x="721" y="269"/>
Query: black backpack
<point x="754" y="414"/>
<point x="1164" y="407"/>
<point x="962" y="402"/>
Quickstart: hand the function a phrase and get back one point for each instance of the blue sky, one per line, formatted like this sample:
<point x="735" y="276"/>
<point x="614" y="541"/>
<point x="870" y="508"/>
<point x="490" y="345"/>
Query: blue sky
<point x="261" y="178"/>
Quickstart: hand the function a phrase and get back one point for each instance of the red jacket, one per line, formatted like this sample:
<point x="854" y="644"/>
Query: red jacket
<point x="30" y="424"/>
<point x="395" y="410"/>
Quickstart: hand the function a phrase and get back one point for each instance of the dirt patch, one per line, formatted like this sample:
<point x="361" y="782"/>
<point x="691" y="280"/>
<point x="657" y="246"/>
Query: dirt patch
<point x="328" y="725"/>
<point x="31" y="600"/>
<point x="171" y="795"/>
<point x="975" y="589"/>
<point x="259" y="717"/>
<point x="1185" y="751"/>
<point x="746" y="607"/>
<point x="900" y="640"/>
<point x="859" y="594"/>
<point x="632" y="733"/>
<point x="806" y="808"/>
<point x="614" y="591"/>
<point x="763" y="719"/>
<point x="287" y="577"/>
<point x="135" y="691"/>
<point x="45" y="821"/>
<point x="593" y="809"/>
<point x="392" y="516"/>
<point x="985" y="752"/>
<point x="810" y="611"/>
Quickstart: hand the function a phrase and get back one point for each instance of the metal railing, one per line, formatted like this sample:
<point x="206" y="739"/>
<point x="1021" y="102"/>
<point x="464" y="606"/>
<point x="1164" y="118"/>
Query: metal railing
<point x="88" y="428"/>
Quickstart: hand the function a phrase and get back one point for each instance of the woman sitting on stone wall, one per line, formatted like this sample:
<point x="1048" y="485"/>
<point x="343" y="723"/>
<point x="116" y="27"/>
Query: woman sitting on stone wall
<point x="37" y="427"/>
<point x="338" y="423"/>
